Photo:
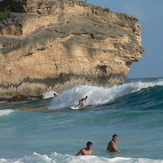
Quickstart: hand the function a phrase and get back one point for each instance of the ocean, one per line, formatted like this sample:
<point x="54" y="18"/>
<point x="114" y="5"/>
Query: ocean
<point x="48" y="131"/>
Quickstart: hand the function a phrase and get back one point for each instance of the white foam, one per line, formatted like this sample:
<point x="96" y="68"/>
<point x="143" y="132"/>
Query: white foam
<point x="59" y="158"/>
<point x="6" y="112"/>
<point x="141" y="85"/>
<point x="97" y="95"/>
<point x="1" y="102"/>
<point x="49" y="94"/>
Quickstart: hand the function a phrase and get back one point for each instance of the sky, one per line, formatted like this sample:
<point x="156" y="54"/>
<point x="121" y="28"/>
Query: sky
<point x="150" y="15"/>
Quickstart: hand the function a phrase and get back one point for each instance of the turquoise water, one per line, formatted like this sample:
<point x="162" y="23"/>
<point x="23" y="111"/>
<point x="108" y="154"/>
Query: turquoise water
<point x="133" y="110"/>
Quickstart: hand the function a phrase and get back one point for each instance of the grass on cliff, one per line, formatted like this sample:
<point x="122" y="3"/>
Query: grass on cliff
<point x="5" y="14"/>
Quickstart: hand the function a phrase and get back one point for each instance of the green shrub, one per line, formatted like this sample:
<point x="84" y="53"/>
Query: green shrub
<point x="40" y="4"/>
<point x="5" y="14"/>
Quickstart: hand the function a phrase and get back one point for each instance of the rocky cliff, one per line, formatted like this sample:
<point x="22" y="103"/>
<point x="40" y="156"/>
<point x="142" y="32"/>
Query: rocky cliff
<point x="57" y="44"/>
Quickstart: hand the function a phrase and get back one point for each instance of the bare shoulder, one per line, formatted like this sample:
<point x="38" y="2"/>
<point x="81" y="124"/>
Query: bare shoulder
<point x="111" y="143"/>
<point x="82" y="149"/>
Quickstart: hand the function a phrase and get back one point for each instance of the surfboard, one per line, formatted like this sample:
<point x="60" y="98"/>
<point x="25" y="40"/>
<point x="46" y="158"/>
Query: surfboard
<point x="75" y="108"/>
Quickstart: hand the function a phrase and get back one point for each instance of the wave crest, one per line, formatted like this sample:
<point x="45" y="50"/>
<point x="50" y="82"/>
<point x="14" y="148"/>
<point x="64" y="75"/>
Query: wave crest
<point x="98" y="95"/>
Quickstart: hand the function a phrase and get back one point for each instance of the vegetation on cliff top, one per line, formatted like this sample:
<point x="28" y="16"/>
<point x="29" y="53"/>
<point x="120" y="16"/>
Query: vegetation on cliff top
<point x="5" y="14"/>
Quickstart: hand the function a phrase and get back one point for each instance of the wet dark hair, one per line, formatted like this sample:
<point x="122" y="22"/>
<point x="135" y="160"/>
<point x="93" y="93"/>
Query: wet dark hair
<point x="89" y="143"/>
<point x="115" y="135"/>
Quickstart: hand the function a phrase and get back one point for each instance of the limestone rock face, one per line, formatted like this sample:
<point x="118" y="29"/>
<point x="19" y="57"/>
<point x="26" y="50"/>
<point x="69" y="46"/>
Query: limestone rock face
<point x="58" y="44"/>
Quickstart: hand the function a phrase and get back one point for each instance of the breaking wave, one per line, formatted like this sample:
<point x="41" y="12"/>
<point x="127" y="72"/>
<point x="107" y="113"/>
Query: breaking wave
<point x="6" y="112"/>
<point x="99" y="95"/>
<point x="56" y="158"/>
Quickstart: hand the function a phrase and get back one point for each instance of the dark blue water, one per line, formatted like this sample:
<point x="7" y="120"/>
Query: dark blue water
<point x="133" y="110"/>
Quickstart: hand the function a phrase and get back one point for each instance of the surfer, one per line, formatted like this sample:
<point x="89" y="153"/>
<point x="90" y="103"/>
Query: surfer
<point x="55" y="94"/>
<point x="81" y="101"/>
<point x="87" y="150"/>
<point x="111" y="145"/>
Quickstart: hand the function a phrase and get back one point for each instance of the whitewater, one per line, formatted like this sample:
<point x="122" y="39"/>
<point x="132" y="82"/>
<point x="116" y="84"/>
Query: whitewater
<point x="98" y="95"/>
<point x="133" y="110"/>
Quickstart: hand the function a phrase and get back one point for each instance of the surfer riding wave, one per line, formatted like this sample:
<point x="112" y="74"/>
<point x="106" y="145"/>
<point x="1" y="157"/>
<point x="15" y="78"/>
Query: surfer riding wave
<point x="81" y="102"/>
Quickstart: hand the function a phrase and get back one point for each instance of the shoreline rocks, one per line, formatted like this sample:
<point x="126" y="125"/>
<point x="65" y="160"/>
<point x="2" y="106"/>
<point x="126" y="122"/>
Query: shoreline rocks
<point x="20" y="98"/>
